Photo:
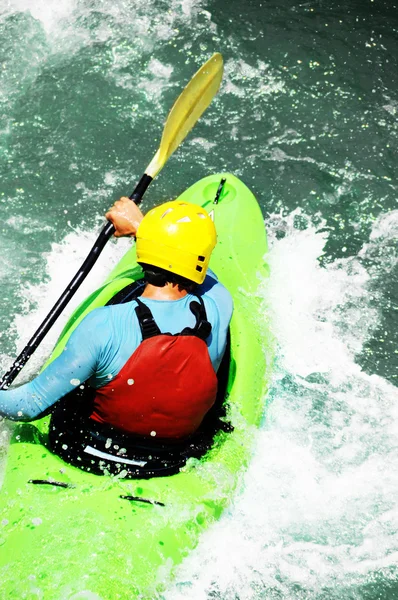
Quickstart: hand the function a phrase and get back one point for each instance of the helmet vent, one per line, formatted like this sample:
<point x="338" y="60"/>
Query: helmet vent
<point x="201" y="258"/>
<point x="184" y="220"/>
<point x="199" y="268"/>
<point x="166" y="213"/>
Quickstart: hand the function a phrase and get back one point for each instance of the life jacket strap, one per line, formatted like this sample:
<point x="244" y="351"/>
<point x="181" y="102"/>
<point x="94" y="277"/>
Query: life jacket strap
<point x="149" y="328"/>
<point x="202" y="328"/>
<point x="147" y="323"/>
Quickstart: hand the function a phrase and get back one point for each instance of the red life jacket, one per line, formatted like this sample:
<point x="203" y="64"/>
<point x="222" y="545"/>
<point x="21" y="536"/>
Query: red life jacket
<point x="168" y="384"/>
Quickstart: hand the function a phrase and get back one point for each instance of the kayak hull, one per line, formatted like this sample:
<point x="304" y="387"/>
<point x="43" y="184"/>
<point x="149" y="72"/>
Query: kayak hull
<point x="74" y="535"/>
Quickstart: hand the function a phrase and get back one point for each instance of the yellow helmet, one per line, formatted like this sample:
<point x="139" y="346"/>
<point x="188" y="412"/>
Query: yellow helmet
<point x="178" y="237"/>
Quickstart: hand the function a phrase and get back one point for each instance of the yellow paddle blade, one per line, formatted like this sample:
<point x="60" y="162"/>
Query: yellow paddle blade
<point x="187" y="109"/>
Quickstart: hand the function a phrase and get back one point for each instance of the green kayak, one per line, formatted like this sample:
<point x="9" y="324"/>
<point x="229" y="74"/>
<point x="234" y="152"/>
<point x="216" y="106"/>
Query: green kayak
<point x="74" y="534"/>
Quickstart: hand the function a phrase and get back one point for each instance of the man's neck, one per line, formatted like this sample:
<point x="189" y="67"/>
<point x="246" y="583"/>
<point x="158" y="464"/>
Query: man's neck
<point x="170" y="291"/>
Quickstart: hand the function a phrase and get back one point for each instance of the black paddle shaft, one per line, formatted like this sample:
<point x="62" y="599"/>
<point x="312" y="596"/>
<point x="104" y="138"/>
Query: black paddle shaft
<point x="70" y="290"/>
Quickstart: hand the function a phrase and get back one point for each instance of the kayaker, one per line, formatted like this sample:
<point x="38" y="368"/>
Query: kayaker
<point x="165" y="385"/>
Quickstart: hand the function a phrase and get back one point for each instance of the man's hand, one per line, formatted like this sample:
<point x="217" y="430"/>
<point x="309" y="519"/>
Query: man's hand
<point x="125" y="216"/>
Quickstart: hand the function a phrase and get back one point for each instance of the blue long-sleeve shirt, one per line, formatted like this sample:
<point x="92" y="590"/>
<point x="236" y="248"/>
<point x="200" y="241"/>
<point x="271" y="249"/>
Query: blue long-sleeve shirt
<point x="104" y="341"/>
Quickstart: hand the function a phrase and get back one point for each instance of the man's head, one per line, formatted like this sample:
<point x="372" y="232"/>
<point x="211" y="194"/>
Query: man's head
<point x="177" y="238"/>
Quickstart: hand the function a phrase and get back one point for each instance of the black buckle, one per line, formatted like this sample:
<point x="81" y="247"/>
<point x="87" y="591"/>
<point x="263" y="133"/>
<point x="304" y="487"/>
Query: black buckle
<point x="147" y="322"/>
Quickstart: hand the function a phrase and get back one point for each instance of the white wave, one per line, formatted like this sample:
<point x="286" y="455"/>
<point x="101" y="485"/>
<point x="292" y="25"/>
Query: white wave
<point x="140" y="18"/>
<point x="157" y="82"/>
<point x="242" y="79"/>
<point x="49" y="12"/>
<point x="318" y="506"/>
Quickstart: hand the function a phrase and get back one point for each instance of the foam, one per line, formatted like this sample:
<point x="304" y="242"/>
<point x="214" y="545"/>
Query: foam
<point x="62" y="18"/>
<point x="318" y="508"/>
<point x="49" y="12"/>
<point x="242" y="79"/>
<point x="157" y="82"/>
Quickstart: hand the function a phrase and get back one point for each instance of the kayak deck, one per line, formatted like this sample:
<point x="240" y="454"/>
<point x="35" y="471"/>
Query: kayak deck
<point x="84" y="536"/>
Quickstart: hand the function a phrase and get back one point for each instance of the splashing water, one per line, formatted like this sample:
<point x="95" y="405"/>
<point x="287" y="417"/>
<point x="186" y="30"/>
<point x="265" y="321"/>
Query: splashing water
<point x="317" y="515"/>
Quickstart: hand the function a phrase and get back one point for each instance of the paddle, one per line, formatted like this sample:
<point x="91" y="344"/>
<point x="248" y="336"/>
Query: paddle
<point x="187" y="109"/>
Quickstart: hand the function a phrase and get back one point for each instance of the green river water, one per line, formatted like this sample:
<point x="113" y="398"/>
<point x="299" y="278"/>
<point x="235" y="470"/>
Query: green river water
<point x="307" y="117"/>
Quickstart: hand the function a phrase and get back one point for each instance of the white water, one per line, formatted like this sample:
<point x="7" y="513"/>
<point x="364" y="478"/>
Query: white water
<point x="318" y="506"/>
